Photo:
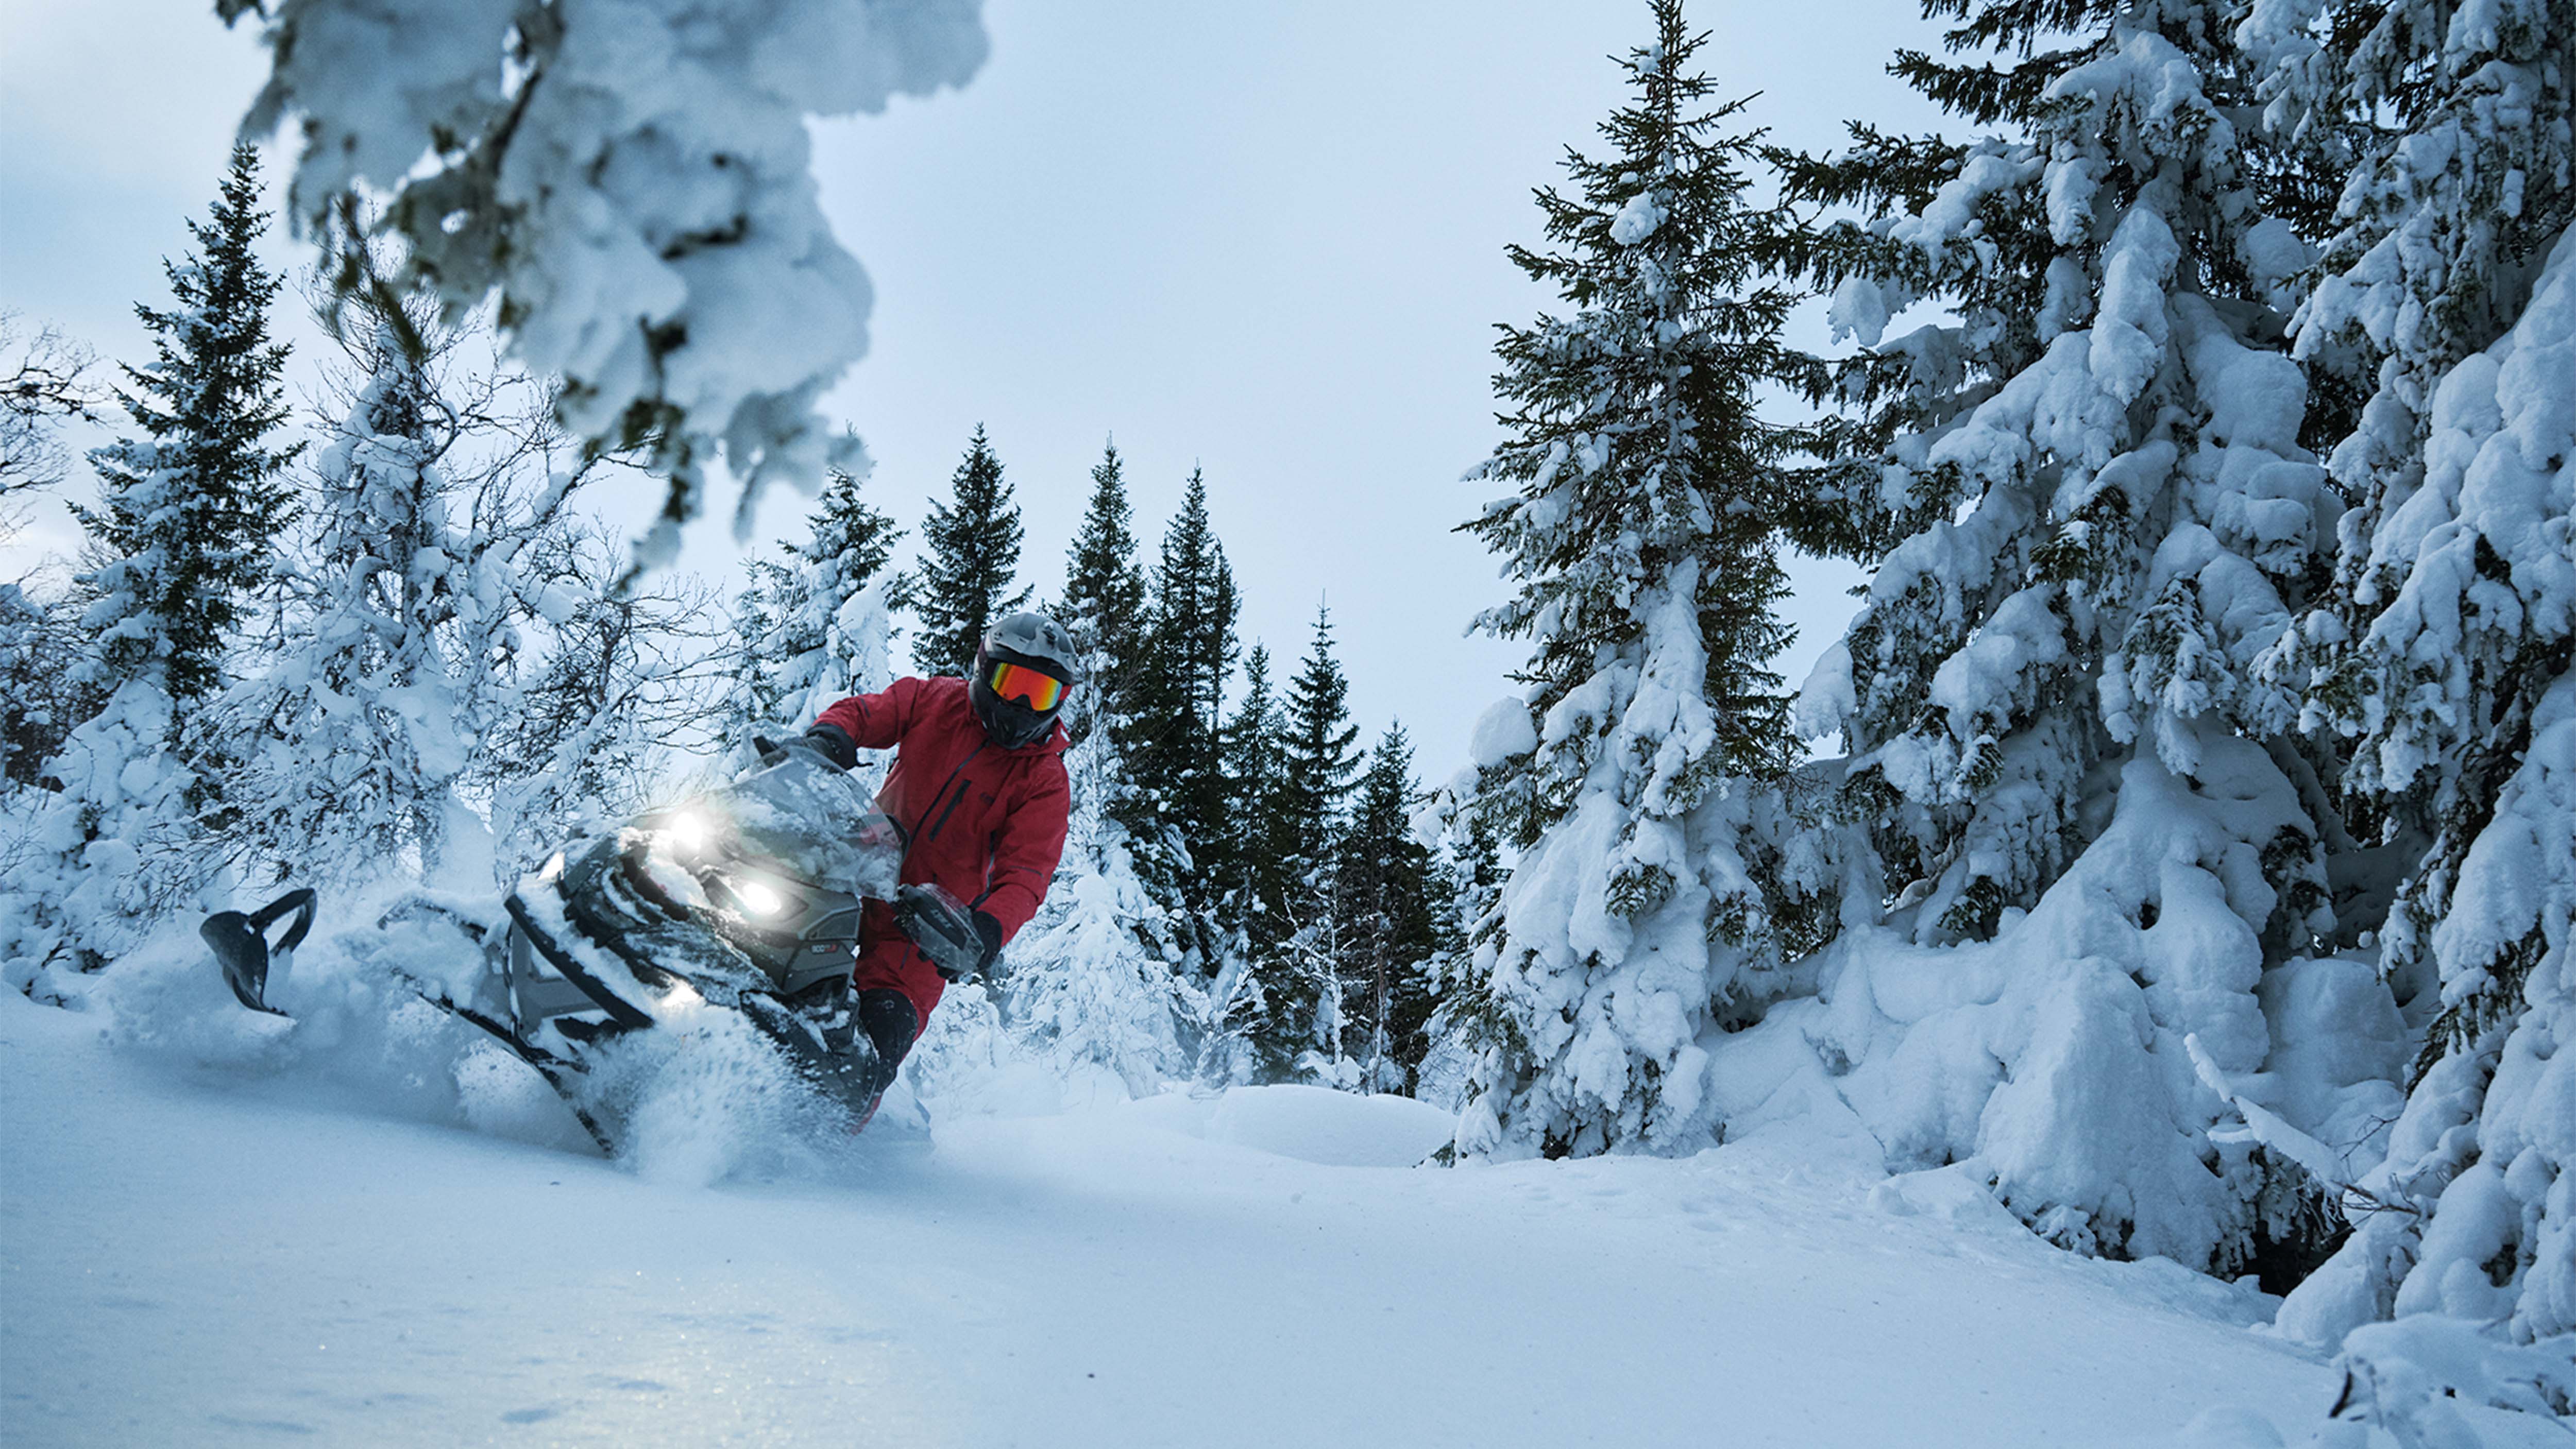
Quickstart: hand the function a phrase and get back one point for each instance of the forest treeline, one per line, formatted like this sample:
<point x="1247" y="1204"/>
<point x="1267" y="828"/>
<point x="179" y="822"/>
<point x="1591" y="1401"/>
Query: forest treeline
<point x="2195" y="868"/>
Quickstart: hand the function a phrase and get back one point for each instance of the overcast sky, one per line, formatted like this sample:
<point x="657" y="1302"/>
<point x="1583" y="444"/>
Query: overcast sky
<point x="1266" y="239"/>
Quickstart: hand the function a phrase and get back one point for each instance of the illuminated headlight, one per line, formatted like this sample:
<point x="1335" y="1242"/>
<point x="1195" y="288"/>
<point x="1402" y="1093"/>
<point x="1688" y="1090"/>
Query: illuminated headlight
<point x="552" y="870"/>
<point x="688" y="831"/>
<point x="758" y="899"/>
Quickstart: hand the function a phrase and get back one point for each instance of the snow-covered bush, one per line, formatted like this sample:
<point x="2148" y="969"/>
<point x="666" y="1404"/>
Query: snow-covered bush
<point x="632" y="178"/>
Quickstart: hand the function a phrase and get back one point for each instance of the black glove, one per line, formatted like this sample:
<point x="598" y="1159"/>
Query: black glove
<point x="988" y="931"/>
<point x="835" y="744"/>
<point x="958" y="941"/>
<point x="826" y="740"/>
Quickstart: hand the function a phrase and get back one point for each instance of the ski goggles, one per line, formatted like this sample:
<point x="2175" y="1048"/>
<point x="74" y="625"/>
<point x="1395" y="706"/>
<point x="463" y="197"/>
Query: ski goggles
<point x="1040" y="692"/>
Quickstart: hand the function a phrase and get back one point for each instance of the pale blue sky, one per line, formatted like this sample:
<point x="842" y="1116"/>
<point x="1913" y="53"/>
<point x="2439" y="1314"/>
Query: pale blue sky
<point x="1266" y="239"/>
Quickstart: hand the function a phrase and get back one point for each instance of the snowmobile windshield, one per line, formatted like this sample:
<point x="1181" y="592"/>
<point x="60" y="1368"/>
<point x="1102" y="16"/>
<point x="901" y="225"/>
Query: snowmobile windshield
<point x="806" y="818"/>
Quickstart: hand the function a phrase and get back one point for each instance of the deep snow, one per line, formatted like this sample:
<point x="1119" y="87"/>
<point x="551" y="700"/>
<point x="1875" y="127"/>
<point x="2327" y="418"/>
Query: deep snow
<point x="218" y="1255"/>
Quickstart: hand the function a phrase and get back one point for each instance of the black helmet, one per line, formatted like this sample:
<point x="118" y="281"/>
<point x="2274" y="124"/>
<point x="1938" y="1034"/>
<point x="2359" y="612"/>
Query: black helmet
<point x="1015" y="708"/>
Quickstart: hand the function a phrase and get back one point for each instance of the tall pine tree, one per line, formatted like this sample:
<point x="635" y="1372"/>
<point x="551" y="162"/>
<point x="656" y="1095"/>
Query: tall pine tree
<point x="1390" y="931"/>
<point x="1105" y="602"/>
<point x="1180" y="814"/>
<point x="180" y="540"/>
<point x="972" y="552"/>
<point x="1641" y="542"/>
<point x="184" y="529"/>
<point x="2445" y="300"/>
<point x="2064" y="696"/>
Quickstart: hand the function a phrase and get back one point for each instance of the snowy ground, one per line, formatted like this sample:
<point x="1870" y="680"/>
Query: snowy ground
<point x="194" y="1254"/>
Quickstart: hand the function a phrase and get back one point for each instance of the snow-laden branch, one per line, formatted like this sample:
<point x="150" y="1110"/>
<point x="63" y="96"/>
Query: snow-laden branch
<point x="633" y="179"/>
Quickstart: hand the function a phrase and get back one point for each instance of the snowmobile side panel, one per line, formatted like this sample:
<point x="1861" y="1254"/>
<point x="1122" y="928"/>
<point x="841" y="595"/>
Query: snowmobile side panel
<point x="565" y="960"/>
<point x="533" y="998"/>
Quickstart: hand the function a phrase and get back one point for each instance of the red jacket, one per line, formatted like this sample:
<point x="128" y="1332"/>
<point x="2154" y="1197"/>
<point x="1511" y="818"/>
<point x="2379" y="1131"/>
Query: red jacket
<point x="984" y="822"/>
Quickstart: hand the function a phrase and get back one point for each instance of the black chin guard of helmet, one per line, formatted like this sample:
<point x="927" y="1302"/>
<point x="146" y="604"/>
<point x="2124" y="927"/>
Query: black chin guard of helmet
<point x="1032" y="641"/>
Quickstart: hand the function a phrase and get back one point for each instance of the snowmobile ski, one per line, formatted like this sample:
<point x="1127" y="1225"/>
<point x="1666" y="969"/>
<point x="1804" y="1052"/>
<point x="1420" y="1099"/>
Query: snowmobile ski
<point x="241" y="945"/>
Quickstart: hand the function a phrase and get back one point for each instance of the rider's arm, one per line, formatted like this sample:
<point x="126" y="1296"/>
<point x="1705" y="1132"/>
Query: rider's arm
<point x="1025" y="851"/>
<point x="875" y="721"/>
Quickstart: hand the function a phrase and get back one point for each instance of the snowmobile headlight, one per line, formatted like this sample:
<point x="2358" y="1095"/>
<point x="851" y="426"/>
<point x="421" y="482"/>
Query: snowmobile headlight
<point x="688" y="830"/>
<point x="758" y="899"/>
<point x="553" y="869"/>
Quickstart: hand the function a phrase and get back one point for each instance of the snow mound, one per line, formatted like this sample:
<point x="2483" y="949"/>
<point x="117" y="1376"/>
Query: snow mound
<point x="1306" y="1124"/>
<point x="1335" y="1129"/>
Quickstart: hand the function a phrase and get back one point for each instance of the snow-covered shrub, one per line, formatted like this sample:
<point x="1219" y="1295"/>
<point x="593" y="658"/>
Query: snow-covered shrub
<point x="1091" y="987"/>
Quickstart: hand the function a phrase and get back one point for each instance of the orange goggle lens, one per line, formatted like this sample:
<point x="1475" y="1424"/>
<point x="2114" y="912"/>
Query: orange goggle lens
<point x="1040" y="692"/>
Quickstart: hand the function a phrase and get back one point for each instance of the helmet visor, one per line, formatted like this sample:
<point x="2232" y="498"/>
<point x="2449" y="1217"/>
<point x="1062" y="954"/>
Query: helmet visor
<point x="1019" y="683"/>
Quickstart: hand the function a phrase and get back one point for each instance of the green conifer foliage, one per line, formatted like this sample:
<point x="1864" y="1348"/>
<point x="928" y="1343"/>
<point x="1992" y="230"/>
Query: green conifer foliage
<point x="1104" y="602"/>
<point x="1640" y="541"/>
<point x="972" y="554"/>
<point x="1390" y="931"/>
<point x="1319" y="749"/>
<point x="190" y="510"/>
<point x="1182" y="815"/>
<point x="1264" y="826"/>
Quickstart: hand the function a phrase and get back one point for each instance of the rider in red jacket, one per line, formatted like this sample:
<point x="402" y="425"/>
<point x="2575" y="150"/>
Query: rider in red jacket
<point x="978" y="788"/>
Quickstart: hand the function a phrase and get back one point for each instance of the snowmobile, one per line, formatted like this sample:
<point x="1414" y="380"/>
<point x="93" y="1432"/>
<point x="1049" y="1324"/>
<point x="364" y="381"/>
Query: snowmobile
<point x="743" y="899"/>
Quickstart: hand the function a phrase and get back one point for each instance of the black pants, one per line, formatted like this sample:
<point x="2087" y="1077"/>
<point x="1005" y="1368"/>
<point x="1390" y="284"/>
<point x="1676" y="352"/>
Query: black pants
<point x="891" y="1024"/>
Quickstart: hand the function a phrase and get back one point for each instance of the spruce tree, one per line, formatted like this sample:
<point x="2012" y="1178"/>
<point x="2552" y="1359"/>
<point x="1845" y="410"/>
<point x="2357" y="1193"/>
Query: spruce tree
<point x="817" y="624"/>
<point x="2445" y="298"/>
<point x="1641" y="542"/>
<point x="1180" y="812"/>
<point x="1292" y="766"/>
<point x="180" y="540"/>
<point x="2064" y="696"/>
<point x="184" y="530"/>
<point x="1390" y="930"/>
<point x="1318" y="749"/>
<point x="1105" y="602"/>
<point x="972" y="552"/>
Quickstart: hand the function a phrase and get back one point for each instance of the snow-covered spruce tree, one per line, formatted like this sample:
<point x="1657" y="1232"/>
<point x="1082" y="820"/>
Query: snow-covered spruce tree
<point x="2456" y="680"/>
<point x="2070" y="735"/>
<point x="1181" y="812"/>
<point x="190" y="510"/>
<point x="1105" y="606"/>
<point x="635" y="184"/>
<point x="1091" y="983"/>
<point x="181" y="536"/>
<point x="971" y="551"/>
<point x="1244" y="1031"/>
<point x="1299" y="955"/>
<point x="1261" y="864"/>
<point x="1389" y="933"/>
<point x="820" y="623"/>
<point x="1641" y="541"/>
